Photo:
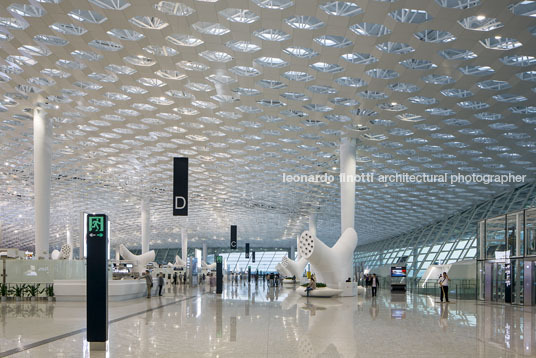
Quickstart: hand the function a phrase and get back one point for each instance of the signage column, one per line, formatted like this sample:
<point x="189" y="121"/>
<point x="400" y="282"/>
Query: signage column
<point x="97" y="281"/>
<point x="219" y="274"/>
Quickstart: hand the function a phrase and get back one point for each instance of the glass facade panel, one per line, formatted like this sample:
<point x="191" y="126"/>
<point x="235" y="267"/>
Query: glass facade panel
<point x="530" y="231"/>
<point x="495" y="237"/>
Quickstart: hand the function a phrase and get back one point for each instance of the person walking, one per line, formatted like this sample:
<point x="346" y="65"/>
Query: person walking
<point x="148" y="282"/>
<point x="444" y="285"/>
<point x="374" y="283"/>
<point x="175" y="278"/>
<point x="160" y="283"/>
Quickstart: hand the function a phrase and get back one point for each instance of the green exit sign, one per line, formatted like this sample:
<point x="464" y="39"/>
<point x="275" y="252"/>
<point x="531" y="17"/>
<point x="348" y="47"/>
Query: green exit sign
<point x="219" y="259"/>
<point x="96" y="225"/>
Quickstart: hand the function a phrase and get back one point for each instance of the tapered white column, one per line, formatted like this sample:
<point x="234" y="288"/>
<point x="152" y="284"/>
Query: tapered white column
<point x="82" y="247"/>
<point x="297" y="243"/>
<point x="42" y="172"/>
<point x="312" y="224"/>
<point x="69" y="242"/>
<point x="145" y="225"/>
<point x="347" y="163"/>
<point x="184" y="243"/>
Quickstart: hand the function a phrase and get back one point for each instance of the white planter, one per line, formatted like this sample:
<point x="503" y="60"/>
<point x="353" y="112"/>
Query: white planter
<point x="33" y="299"/>
<point x="4" y="299"/>
<point x="18" y="299"/>
<point x="319" y="292"/>
<point x="50" y="299"/>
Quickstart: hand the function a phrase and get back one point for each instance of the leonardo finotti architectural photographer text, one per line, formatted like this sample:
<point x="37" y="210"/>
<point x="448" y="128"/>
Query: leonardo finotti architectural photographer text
<point x="406" y="178"/>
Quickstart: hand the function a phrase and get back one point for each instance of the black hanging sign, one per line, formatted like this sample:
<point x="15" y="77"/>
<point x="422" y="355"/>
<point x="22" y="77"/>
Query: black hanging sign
<point x="233" y="237"/>
<point x="247" y="250"/>
<point x="180" y="186"/>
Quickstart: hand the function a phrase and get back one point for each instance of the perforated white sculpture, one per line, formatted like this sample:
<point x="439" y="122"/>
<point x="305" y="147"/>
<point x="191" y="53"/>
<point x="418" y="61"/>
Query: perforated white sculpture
<point x="331" y="265"/>
<point x="66" y="251"/>
<point x="295" y="268"/>
<point x="139" y="261"/>
<point x="283" y="271"/>
<point x="64" y="254"/>
<point x="178" y="263"/>
<point x="205" y="266"/>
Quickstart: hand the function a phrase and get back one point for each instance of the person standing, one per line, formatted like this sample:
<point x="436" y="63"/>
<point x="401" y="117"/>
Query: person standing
<point x="148" y="282"/>
<point x="175" y="278"/>
<point x="444" y="285"/>
<point x="160" y="283"/>
<point x="374" y="284"/>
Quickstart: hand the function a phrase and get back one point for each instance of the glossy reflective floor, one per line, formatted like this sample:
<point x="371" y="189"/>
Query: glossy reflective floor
<point x="258" y="321"/>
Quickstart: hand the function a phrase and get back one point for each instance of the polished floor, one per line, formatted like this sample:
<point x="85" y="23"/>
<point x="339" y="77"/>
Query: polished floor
<point x="258" y="321"/>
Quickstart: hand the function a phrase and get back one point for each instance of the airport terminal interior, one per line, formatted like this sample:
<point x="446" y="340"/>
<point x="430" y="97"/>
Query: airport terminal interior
<point x="268" y="178"/>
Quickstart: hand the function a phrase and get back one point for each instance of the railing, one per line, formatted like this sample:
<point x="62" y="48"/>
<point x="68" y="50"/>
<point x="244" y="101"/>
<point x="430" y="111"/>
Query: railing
<point x="458" y="289"/>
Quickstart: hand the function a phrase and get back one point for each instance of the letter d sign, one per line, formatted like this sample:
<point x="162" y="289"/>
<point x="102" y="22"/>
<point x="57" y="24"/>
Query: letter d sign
<point x="180" y="186"/>
<point x="180" y="203"/>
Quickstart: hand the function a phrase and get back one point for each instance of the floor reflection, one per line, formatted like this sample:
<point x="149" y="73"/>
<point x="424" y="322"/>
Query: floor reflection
<point x="258" y="320"/>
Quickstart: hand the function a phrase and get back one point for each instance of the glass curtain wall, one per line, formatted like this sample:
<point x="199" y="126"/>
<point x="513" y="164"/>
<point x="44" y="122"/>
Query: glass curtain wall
<point x="452" y="239"/>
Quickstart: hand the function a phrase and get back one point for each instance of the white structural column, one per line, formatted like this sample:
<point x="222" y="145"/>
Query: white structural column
<point x="292" y="251"/>
<point x="82" y="236"/>
<point x="69" y="242"/>
<point x="42" y="172"/>
<point x="347" y="163"/>
<point x="297" y="243"/>
<point x="184" y="243"/>
<point x="145" y="225"/>
<point x="205" y="252"/>
<point x="312" y="224"/>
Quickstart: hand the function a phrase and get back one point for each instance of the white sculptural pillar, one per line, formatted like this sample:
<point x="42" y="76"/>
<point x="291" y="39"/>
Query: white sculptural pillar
<point x="347" y="170"/>
<point x="297" y="243"/>
<point x="184" y="242"/>
<point x="82" y="247"/>
<point x="145" y="225"/>
<point x="42" y="171"/>
<point x="69" y="242"/>
<point x="312" y="223"/>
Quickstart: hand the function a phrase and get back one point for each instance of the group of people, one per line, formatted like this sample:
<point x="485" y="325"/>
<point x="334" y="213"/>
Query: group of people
<point x="274" y="279"/>
<point x="160" y="281"/>
<point x="149" y="283"/>
<point x="372" y="282"/>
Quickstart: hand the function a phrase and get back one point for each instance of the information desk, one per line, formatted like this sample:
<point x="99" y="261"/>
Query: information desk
<point x="398" y="287"/>
<point x="118" y="290"/>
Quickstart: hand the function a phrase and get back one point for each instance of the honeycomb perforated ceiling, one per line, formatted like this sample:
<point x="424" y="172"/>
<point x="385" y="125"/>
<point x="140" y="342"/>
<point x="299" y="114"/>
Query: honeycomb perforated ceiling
<point x="249" y="90"/>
